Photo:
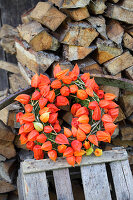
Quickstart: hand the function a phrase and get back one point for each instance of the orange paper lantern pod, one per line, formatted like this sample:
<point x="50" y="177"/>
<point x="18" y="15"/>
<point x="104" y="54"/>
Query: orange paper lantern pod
<point x="48" y="129"/>
<point x="47" y="146"/>
<point x="28" y="117"/>
<point x="90" y="83"/>
<point x="73" y="89"/>
<point x="61" y="139"/>
<point x="23" y="138"/>
<point x="44" y="89"/>
<point x="33" y="135"/>
<point x="61" y="101"/>
<point x="81" y="94"/>
<point x="81" y="136"/>
<point x="74" y="108"/>
<point x="76" y="145"/>
<point x="65" y="91"/>
<point x="89" y="91"/>
<point x="110" y="127"/>
<point x="51" y="96"/>
<point x="98" y="152"/>
<point x="74" y="131"/>
<point x="30" y="145"/>
<point x="100" y="94"/>
<point x="44" y="117"/>
<point x="71" y="160"/>
<point x="38" y="153"/>
<point x="67" y="79"/>
<point x="112" y="105"/>
<point x="43" y="110"/>
<point x="21" y="130"/>
<point x="23" y="98"/>
<point x="109" y="96"/>
<point x="41" y="138"/>
<point x="93" y="139"/>
<point x="78" y="159"/>
<point x="96" y="114"/>
<point x="85" y="127"/>
<point x="35" y="81"/>
<point x="81" y="153"/>
<point x="103" y="136"/>
<point x="84" y="119"/>
<point x="42" y="102"/>
<point x="28" y="108"/>
<point x="68" y="152"/>
<point x="67" y="132"/>
<point x="62" y="73"/>
<point x="44" y="79"/>
<point x="53" y="118"/>
<point x="84" y="77"/>
<point x="86" y="144"/>
<point x="57" y="69"/>
<point x="36" y="95"/>
<point x="82" y="111"/>
<point x="107" y="118"/>
<point x="56" y="84"/>
<point x="103" y="104"/>
<point x="28" y="127"/>
<point x="75" y="122"/>
<point x="52" y="108"/>
<point x="18" y="116"/>
<point x="93" y="105"/>
<point x="62" y="148"/>
<point x="57" y="128"/>
<point x="52" y="155"/>
<point x="74" y="73"/>
<point x="114" y="112"/>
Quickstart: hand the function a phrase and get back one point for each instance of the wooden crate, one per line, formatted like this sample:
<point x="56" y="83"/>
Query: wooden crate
<point x="32" y="180"/>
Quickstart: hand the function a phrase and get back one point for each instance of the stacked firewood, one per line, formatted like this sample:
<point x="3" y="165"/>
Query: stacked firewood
<point x="95" y="34"/>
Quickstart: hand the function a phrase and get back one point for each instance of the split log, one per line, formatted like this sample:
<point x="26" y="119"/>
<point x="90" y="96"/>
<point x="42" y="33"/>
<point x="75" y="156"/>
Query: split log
<point x="127" y="103"/>
<point x="124" y="143"/>
<point x="36" y="61"/>
<point x="121" y="116"/>
<point x="6" y="132"/>
<point x="99" y="24"/>
<point x="4" y="113"/>
<point x="26" y="73"/>
<point x="106" y="50"/>
<point x="127" y="4"/>
<point x="25" y="17"/>
<point x="76" y="52"/>
<point x="67" y="117"/>
<point x="118" y="13"/>
<point x="130" y="119"/>
<point x="9" y="67"/>
<point x="128" y="41"/>
<point x="7" y="149"/>
<point x="78" y="34"/>
<point x="130" y="31"/>
<point x="127" y="133"/>
<point x="97" y="7"/>
<point x="18" y="144"/>
<point x="48" y="15"/>
<point x="118" y="64"/>
<point x="129" y="72"/>
<point x="7" y="36"/>
<point x="17" y="82"/>
<point x="6" y="187"/>
<point x="115" y="31"/>
<point x="70" y="3"/>
<point x="77" y="14"/>
<point x="114" y="1"/>
<point x="89" y="65"/>
<point x="37" y="37"/>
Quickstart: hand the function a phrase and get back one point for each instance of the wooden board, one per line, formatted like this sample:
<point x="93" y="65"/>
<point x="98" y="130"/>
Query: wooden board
<point x="123" y="181"/>
<point x="95" y="182"/>
<point x="63" y="184"/>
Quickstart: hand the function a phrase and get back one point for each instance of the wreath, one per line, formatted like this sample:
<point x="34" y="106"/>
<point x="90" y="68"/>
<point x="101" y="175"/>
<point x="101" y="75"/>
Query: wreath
<point x="93" y="111"/>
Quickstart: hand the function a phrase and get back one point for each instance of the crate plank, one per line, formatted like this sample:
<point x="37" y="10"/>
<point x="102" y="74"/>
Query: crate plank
<point x="32" y="166"/>
<point x="19" y="185"/>
<point x="35" y="186"/>
<point x="95" y="182"/>
<point x="63" y="184"/>
<point x="123" y="180"/>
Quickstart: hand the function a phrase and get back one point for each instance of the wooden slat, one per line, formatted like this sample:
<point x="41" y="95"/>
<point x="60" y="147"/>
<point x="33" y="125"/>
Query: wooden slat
<point x="19" y="185"/>
<point x="95" y="182"/>
<point x="35" y="186"/>
<point x="33" y="166"/>
<point x="123" y="180"/>
<point x="63" y="184"/>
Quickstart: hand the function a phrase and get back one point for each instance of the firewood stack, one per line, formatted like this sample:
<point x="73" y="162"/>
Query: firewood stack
<point x="95" y="34"/>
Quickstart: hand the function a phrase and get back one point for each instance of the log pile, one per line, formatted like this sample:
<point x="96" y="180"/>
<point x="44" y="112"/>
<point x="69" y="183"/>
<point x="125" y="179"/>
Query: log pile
<point x="97" y="35"/>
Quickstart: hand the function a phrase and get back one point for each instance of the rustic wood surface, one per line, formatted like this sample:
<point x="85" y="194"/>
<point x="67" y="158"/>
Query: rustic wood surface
<point x="32" y="166"/>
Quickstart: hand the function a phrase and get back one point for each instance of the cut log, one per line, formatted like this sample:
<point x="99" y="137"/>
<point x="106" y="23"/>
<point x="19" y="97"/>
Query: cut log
<point x="67" y="117"/>
<point x="18" y="144"/>
<point x="130" y="31"/>
<point x="128" y="41"/>
<point x="127" y="103"/>
<point x="26" y="73"/>
<point x="9" y="67"/>
<point x="118" y="64"/>
<point x="127" y="4"/>
<point x="16" y="83"/>
<point x="97" y="7"/>
<point x="106" y="50"/>
<point x="89" y="65"/>
<point x="77" y="14"/>
<point x="114" y="1"/>
<point x="130" y="119"/>
<point x="37" y="37"/>
<point x="36" y="61"/>
<point x="127" y="133"/>
<point x="25" y="17"/>
<point x="121" y="116"/>
<point x="7" y="36"/>
<point x="6" y="187"/>
<point x="99" y="24"/>
<point x="6" y="133"/>
<point x="129" y="72"/>
<point x="7" y="149"/>
<point x="70" y="3"/>
<point x="124" y="143"/>
<point x="76" y="52"/>
<point x="47" y="15"/>
<point x="118" y="13"/>
<point x="78" y="34"/>
<point x="115" y="31"/>
<point x="4" y="113"/>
